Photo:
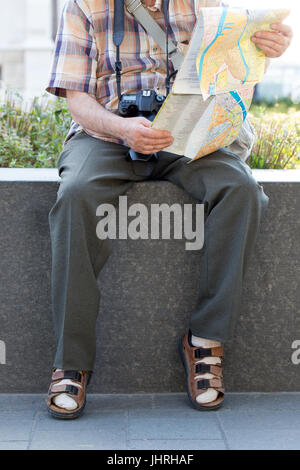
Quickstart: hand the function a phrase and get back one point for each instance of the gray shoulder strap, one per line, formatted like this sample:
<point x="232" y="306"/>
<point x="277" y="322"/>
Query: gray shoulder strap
<point x="153" y="29"/>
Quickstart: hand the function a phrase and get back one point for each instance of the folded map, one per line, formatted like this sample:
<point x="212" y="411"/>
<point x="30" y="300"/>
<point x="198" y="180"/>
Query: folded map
<point x="213" y="90"/>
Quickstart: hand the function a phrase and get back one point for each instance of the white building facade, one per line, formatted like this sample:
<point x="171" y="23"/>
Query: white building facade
<point x="27" y="32"/>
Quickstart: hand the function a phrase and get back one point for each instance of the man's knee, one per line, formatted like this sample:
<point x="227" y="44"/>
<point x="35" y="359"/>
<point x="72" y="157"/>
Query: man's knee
<point x="233" y="175"/>
<point x="74" y="188"/>
<point x="245" y="184"/>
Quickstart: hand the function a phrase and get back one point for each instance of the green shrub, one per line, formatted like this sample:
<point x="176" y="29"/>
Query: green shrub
<point x="278" y="139"/>
<point x="32" y="136"/>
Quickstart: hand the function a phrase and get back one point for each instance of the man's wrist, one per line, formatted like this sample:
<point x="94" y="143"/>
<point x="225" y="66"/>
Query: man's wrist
<point x="108" y="124"/>
<point x="116" y="125"/>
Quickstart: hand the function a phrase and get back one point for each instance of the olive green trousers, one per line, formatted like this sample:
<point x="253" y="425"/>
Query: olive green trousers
<point x="94" y="172"/>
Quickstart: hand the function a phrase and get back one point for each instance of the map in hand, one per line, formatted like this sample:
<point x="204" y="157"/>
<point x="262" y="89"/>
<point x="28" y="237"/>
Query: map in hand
<point x="228" y="59"/>
<point x="213" y="90"/>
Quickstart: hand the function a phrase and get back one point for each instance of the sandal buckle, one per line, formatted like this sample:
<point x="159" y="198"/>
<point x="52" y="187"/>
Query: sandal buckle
<point x="72" y="389"/>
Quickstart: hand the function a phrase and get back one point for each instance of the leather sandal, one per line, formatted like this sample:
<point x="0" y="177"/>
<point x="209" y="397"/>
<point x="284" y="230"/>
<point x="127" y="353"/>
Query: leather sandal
<point x="190" y="355"/>
<point x="77" y="392"/>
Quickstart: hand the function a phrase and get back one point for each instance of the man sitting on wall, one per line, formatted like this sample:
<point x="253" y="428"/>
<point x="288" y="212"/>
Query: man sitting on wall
<point x="94" y="169"/>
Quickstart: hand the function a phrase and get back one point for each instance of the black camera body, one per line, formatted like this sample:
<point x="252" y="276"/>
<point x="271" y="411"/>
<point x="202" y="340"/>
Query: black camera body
<point x="145" y="103"/>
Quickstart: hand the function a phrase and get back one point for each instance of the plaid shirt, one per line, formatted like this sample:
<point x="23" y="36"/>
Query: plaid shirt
<point x="84" y="55"/>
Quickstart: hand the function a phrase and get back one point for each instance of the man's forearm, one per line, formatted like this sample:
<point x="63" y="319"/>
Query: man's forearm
<point x="93" y="117"/>
<point x="135" y="131"/>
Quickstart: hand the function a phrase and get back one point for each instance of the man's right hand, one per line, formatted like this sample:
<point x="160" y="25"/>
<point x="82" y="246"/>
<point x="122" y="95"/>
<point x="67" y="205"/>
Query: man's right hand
<point x="142" y="138"/>
<point x="136" y="132"/>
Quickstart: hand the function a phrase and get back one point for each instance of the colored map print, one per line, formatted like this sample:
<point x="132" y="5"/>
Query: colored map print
<point x="228" y="59"/>
<point x="213" y="90"/>
<point x="228" y="111"/>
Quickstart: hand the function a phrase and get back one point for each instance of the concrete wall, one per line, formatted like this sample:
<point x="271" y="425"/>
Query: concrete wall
<point x="138" y="329"/>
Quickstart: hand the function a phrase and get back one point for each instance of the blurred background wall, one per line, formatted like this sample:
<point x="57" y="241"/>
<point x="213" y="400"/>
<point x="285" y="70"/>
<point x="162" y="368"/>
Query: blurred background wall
<point x="27" y="32"/>
<point x="28" y="29"/>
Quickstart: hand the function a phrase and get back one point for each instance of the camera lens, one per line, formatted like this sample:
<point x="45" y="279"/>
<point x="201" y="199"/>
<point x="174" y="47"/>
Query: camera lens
<point x="160" y="98"/>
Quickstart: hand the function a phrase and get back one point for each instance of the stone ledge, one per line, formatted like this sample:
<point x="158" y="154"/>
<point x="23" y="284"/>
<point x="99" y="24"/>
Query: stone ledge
<point x="51" y="174"/>
<point x="138" y="331"/>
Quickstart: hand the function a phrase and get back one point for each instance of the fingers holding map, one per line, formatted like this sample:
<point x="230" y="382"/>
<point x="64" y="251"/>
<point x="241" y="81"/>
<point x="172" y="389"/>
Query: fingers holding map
<point x="213" y="90"/>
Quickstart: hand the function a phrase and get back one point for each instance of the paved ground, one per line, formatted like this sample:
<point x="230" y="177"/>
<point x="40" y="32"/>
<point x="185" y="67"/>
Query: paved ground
<point x="161" y="422"/>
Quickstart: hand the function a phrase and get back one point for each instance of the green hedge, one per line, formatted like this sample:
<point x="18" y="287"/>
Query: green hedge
<point x="277" y="144"/>
<point x="33" y="137"/>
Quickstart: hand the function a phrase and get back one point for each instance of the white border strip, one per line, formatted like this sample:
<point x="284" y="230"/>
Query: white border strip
<point x="41" y="175"/>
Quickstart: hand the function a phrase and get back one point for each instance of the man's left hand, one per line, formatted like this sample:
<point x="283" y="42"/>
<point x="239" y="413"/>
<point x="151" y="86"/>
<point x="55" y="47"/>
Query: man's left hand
<point x="274" y="44"/>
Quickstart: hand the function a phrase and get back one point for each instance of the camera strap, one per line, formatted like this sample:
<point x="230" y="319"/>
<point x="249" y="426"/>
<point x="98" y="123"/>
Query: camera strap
<point x="118" y="36"/>
<point x="153" y="29"/>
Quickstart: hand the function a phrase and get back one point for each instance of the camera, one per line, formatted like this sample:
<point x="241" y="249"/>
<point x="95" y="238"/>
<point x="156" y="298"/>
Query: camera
<point x="145" y="103"/>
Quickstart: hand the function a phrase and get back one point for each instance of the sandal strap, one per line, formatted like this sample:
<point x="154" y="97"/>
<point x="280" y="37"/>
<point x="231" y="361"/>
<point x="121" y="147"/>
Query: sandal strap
<point x="64" y="388"/>
<point x="216" y="351"/>
<point x="214" y="369"/>
<point x="204" y="384"/>
<point x="67" y="374"/>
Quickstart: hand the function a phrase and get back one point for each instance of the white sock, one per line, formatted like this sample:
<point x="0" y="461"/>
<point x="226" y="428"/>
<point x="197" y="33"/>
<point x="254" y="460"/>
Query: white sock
<point x="63" y="400"/>
<point x="211" y="394"/>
